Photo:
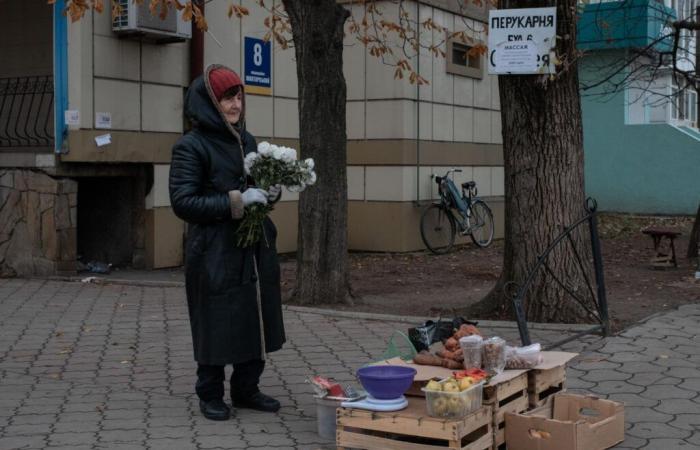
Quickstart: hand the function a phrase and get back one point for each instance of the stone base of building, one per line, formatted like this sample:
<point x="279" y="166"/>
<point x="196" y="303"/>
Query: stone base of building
<point x="38" y="224"/>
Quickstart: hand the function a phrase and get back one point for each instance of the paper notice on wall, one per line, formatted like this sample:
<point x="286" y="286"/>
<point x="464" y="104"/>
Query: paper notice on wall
<point x="103" y="120"/>
<point x="519" y="57"/>
<point x="103" y="139"/>
<point x="72" y="117"/>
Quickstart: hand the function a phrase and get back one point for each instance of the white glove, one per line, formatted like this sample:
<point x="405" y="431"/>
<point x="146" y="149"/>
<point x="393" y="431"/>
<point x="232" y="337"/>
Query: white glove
<point x="254" y="195"/>
<point x="274" y="192"/>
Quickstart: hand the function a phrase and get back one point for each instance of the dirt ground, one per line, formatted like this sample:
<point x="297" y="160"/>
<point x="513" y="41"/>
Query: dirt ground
<point x="422" y="284"/>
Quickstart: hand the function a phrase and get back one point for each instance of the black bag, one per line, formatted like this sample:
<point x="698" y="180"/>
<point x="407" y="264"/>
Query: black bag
<point x="430" y="332"/>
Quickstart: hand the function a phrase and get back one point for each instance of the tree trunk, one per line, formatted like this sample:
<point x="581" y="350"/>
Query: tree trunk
<point x="322" y="260"/>
<point x="544" y="186"/>
<point x="694" y="237"/>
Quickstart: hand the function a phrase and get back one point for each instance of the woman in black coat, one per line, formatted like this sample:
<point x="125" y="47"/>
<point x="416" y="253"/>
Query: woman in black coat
<point x="233" y="293"/>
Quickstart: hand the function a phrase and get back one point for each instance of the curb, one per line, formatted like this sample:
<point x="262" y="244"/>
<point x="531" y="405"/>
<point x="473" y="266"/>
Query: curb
<point x="419" y="319"/>
<point x="119" y="281"/>
<point x="331" y="312"/>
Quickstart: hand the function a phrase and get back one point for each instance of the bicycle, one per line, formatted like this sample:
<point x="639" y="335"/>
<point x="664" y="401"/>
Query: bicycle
<point x="438" y="224"/>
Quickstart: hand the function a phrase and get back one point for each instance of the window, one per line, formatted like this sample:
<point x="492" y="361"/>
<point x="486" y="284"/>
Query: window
<point x="462" y="60"/>
<point x="692" y="106"/>
<point x="675" y="103"/>
<point x="684" y="105"/>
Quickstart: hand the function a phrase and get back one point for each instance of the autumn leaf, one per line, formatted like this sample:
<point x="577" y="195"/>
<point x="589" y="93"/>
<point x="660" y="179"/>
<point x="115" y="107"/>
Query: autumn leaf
<point x="240" y="11"/>
<point x="116" y="9"/>
<point x="199" y="19"/>
<point x="187" y="13"/>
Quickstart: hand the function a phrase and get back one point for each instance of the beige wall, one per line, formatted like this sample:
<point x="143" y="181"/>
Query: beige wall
<point x="164" y="238"/>
<point x="376" y="226"/>
<point x="141" y="84"/>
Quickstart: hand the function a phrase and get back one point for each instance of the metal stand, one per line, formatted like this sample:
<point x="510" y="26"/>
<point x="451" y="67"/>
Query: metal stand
<point x="599" y="299"/>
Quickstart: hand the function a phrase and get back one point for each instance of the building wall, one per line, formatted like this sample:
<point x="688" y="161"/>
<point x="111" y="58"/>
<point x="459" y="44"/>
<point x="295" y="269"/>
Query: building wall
<point x="398" y="134"/>
<point x="142" y="86"/>
<point x="637" y="168"/>
<point x="38" y="220"/>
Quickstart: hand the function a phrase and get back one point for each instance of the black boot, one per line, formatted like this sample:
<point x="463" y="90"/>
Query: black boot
<point x="215" y="409"/>
<point x="257" y="401"/>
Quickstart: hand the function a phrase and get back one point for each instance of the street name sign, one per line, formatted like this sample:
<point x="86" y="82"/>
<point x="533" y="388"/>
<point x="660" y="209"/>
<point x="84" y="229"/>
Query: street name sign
<point x="257" y="75"/>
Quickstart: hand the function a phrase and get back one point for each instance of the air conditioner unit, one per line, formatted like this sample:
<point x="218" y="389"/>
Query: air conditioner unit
<point x="136" y="20"/>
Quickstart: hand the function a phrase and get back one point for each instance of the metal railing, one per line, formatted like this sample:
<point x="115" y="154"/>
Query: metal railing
<point x="26" y="113"/>
<point x="591" y="299"/>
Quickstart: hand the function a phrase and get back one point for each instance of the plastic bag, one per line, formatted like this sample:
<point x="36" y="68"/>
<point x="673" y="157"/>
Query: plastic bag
<point x="523" y="357"/>
<point x="430" y="332"/>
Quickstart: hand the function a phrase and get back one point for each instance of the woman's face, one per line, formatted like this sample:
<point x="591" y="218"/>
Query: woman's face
<point x="231" y="106"/>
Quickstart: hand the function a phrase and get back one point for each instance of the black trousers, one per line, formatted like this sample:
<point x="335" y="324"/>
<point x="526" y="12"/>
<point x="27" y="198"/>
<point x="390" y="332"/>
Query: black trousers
<point x="244" y="380"/>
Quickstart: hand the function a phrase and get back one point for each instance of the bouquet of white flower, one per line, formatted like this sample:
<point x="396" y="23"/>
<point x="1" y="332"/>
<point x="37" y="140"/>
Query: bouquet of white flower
<point x="268" y="166"/>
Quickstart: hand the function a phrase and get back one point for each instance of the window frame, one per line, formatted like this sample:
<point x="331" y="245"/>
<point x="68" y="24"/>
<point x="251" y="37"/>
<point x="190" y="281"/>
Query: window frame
<point x="458" y="69"/>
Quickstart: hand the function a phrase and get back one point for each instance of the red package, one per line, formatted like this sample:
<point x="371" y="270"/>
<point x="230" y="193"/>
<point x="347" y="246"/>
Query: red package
<point x="334" y="389"/>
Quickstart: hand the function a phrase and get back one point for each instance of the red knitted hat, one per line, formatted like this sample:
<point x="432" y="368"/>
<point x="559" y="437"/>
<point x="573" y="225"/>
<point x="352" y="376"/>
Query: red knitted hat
<point x="221" y="80"/>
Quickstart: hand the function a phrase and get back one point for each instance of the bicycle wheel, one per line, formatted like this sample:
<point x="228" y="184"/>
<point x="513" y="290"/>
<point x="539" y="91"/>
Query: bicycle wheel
<point x="437" y="228"/>
<point x="482" y="224"/>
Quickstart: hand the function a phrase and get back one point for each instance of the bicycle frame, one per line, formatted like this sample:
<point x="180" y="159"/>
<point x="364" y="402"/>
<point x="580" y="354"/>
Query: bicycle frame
<point x="450" y="198"/>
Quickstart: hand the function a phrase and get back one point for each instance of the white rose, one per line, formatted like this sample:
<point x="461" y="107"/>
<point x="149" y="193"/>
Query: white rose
<point x="265" y="149"/>
<point x="299" y="188"/>
<point x="249" y="161"/>
<point x="278" y="152"/>
<point x="312" y="178"/>
<point x="289" y="155"/>
<point x="309" y="163"/>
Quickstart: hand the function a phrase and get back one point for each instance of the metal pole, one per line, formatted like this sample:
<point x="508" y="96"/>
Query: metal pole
<point x="599" y="277"/>
<point x="522" y="321"/>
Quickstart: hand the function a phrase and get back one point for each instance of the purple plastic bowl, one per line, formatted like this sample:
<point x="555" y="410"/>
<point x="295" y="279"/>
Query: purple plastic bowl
<point x="386" y="382"/>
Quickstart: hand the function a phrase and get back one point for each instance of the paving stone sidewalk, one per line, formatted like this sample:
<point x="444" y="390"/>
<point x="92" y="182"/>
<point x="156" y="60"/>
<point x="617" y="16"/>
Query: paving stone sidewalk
<point x="102" y="366"/>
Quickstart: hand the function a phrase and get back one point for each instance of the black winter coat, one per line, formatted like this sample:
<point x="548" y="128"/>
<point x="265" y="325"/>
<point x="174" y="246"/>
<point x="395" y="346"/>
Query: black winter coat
<point x="222" y="283"/>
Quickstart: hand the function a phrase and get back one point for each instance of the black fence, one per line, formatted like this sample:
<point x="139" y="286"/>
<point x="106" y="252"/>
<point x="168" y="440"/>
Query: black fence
<point x="26" y="113"/>
<point x="592" y="298"/>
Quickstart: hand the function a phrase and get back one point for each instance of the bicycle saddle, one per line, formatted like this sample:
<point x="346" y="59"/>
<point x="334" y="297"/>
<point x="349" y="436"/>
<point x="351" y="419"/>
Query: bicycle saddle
<point x="469" y="184"/>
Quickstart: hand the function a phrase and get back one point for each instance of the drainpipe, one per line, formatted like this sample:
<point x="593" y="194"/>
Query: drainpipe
<point x="418" y="114"/>
<point x="60" y="74"/>
<point x="197" y="48"/>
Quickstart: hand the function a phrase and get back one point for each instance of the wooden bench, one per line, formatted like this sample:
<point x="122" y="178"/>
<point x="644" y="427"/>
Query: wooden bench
<point x="663" y="260"/>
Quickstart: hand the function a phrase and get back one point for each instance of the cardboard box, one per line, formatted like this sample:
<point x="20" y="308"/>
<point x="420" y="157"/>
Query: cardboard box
<point x="567" y="422"/>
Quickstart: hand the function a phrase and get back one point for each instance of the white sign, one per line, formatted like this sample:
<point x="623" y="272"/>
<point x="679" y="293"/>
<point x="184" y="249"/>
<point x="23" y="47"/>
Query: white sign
<point x="72" y="117"/>
<point x="103" y="120"/>
<point x="103" y="139"/>
<point x="522" y="41"/>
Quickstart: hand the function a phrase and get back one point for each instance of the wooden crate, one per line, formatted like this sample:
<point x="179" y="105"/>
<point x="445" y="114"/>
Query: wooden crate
<point x="544" y="383"/>
<point x="412" y="429"/>
<point x="507" y="396"/>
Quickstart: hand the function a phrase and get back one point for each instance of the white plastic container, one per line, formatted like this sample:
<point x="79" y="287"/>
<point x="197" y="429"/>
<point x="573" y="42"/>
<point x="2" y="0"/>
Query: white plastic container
<point x="493" y="355"/>
<point x="326" y="416"/>
<point x="471" y="350"/>
<point x="454" y="404"/>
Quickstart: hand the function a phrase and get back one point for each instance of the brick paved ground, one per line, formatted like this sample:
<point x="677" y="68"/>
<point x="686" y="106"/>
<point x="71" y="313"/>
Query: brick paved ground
<point x="85" y="366"/>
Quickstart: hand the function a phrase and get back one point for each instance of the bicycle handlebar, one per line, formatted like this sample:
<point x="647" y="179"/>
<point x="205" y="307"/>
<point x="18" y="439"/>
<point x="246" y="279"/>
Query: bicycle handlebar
<point x="447" y="174"/>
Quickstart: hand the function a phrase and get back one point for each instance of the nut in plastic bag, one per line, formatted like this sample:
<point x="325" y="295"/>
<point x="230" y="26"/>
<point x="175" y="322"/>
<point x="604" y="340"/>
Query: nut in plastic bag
<point x="523" y="357"/>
